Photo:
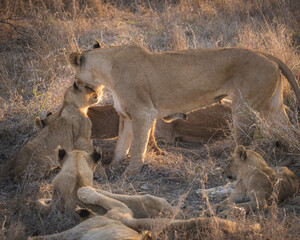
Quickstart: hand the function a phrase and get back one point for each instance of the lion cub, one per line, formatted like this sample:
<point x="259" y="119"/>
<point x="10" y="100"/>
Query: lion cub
<point x="257" y="184"/>
<point x="71" y="129"/>
<point x="77" y="169"/>
<point x="119" y="221"/>
<point x="93" y="226"/>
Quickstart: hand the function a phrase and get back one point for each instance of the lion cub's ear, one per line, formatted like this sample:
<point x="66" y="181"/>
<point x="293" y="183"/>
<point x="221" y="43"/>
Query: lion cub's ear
<point x="61" y="155"/>
<point x="97" y="44"/>
<point x="241" y="152"/>
<point x="39" y="123"/>
<point x="75" y="59"/>
<point x="84" y="213"/>
<point x="97" y="155"/>
<point x="146" y="236"/>
<point x="75" y="86"/>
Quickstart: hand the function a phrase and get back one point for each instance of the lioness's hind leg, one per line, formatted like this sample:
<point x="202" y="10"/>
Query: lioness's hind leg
<point x="274" y="112"/>
<point x="152" y="144"/>
<point x="124" y="139"/>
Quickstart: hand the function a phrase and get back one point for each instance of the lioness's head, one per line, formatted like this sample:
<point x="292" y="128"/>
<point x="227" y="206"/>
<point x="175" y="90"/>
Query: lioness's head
<point x="82" y="95"/>
<point x="86" y="62"/>
<point x="240" y="159"/>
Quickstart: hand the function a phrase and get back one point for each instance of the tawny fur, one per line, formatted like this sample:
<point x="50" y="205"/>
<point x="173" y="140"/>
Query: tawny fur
<point x="123" y="215"/>
<point x="257" y="183"/>
<point x="120" y="221"/>
<point x="146" y="86"/>
<point x="71" y="129"/>
<point x="200" y="125"/>
<point x="97" y="227"/>
<point x="77" y="169"/>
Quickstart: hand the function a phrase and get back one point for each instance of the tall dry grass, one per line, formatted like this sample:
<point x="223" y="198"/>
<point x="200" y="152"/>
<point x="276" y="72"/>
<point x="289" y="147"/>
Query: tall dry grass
<point x="36" y="38"/>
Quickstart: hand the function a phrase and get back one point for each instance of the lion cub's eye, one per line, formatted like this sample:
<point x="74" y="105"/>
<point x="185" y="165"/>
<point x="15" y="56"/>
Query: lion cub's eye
<point x="90" y="89"/>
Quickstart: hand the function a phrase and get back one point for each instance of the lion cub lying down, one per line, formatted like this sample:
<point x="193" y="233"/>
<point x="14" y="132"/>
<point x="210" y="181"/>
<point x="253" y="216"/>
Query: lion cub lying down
<point x="71" y="129"/>
<point x="198" y="126"/>
<point x="119" y="221"/>
<point x="123" y="216"/>
<point x="93" y="226"/>
<point x="257" y="184"/>
<point x="77" y="169"/>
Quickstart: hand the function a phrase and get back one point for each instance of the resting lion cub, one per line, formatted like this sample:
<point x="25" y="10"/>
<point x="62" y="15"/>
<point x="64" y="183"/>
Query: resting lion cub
<point x="119" y="221"/>
<point x="257" y="183"/>
<point x="77" y="169"/>
<point x="71" y="129"/>
<point x="105" y="124"/>
<point x="93" y="226"/>
<point x="202" y="125"/>
<point x="147" y="86"/>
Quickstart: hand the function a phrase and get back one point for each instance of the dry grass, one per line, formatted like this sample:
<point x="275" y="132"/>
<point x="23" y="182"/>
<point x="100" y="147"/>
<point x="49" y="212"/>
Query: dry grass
<point x="35" y="40"/>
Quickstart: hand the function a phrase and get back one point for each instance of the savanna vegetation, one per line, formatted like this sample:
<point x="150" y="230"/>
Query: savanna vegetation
<point x="36" y="37"/>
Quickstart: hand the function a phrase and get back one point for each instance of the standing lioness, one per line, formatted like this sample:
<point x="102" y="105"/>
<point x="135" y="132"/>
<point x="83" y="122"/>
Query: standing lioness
<point x="146" y="86"/>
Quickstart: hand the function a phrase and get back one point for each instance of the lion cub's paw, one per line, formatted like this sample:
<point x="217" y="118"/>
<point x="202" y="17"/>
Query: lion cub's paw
<point x="87" y="195"/>
<point x="233" y="213"/>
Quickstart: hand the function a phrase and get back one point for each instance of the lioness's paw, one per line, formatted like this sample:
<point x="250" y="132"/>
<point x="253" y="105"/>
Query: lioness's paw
<point x="87" y="195"/>
<point x="132" y="170"/>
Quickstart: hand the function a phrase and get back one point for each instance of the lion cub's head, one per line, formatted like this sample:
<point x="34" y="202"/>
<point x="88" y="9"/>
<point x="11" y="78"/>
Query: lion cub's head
<point x="77" y="169"/>
<point x="79" y="94"/>
<point x="241" y="160"/>
<point x="82" y="95"/>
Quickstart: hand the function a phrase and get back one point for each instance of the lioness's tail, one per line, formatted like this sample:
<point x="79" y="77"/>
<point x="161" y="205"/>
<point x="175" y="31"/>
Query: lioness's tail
<point x="6" y="170"/>
<point x="287" y="73"/>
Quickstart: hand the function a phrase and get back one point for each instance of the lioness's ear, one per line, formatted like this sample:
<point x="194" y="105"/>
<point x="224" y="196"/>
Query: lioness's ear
<point x="97" y="155"/>
<point x="97" y="44"/>
<point x="241" y="152"/>
<point x="75" y="59"/>
<point x="39" y="123"/>
<point x="61" y="155"/>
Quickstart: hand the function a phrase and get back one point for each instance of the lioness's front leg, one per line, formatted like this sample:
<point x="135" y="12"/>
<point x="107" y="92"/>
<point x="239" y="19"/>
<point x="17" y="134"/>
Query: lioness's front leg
<point x="141" y="126"/>
<point x="124" y="139"/>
